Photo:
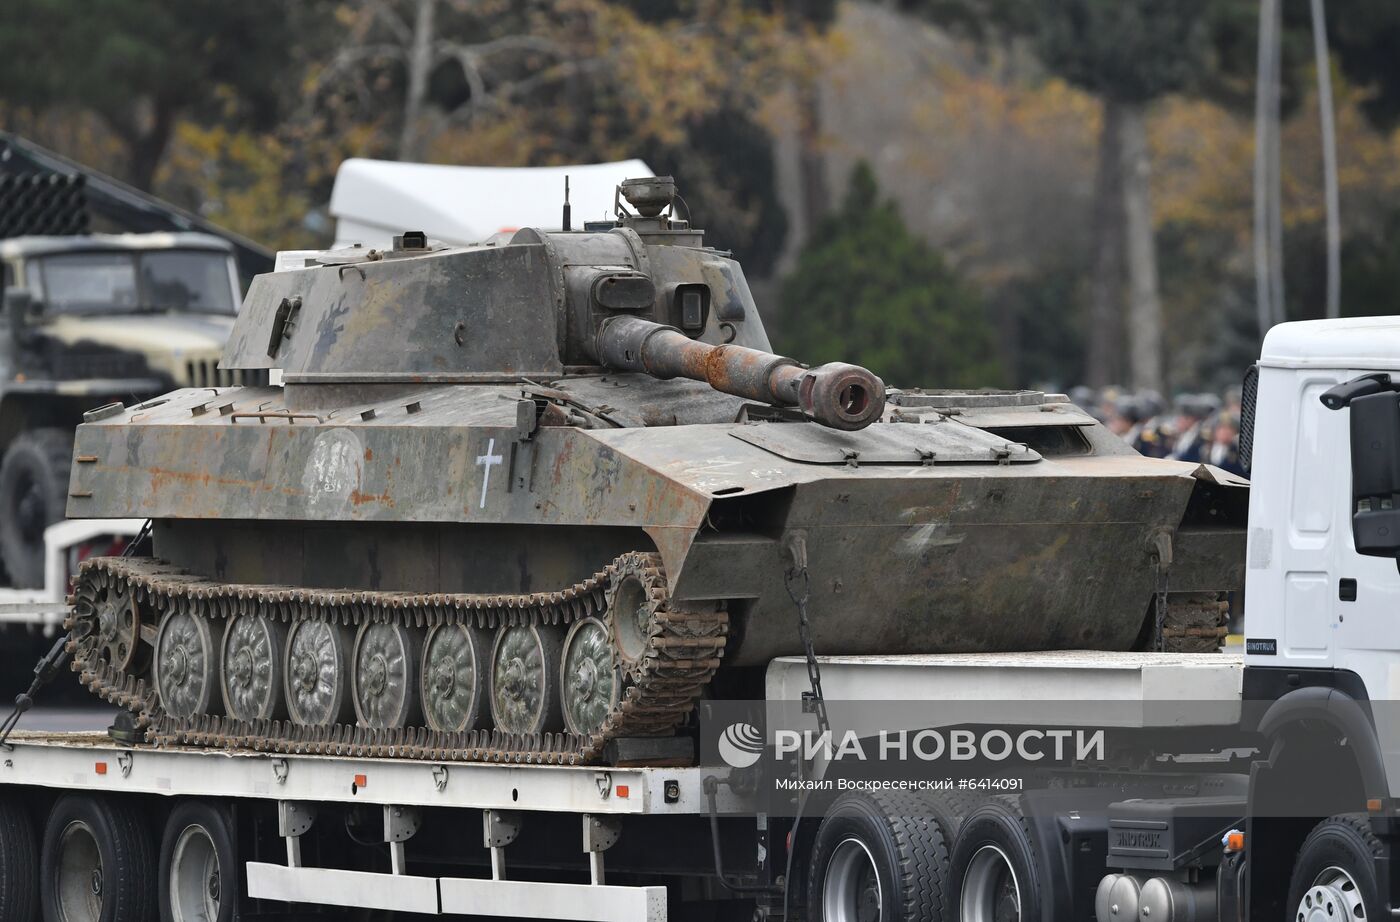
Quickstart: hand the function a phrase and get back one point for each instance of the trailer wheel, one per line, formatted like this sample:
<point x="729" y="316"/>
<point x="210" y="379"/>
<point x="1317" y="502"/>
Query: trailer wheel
<point x="98" y="863"/>
<point x="994" y="871"/>
<point x="19" y="862"/>
<point x="33" y="494"/>
<point x="878" y="858"/>
<point x="198" y="865"/>
<point x="1334" y="878"/>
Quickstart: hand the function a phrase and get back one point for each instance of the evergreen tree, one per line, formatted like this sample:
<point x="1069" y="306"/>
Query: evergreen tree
<point x="867" y="290"/>
<point x="142" y="64"/>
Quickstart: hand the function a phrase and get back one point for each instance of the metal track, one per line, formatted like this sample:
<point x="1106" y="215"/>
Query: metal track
<point x="682" y="652"/>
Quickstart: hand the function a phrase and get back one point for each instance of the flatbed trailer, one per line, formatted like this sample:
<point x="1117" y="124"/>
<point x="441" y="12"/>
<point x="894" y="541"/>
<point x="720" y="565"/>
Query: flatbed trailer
<point x="487" y="806"/>
<point x="625" y="844"/>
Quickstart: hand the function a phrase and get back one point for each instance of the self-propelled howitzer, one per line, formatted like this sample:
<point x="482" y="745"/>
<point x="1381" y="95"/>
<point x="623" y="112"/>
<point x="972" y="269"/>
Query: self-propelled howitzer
<point x="527" y="500"/>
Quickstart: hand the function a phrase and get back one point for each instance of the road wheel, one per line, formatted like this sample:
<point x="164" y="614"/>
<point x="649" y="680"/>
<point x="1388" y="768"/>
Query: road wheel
<point x="878" y="858"/>
<point x="1334" y="878"/>
<point x="198" y="865"/>
<point x="19" y="863"/>
<point x="98" y="863"/>
<point x="33" y="495"/>
<point x="994" y="871"/>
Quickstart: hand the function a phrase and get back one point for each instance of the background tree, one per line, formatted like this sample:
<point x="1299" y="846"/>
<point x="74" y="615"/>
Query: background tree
<point x="866" y="290"/>
<point x="1128" y="53"/>
<point x="143" y="64"/>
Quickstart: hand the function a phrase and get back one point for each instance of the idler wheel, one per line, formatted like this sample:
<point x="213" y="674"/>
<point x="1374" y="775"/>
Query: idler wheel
<point x="187" y="664"/>
<point x="591" y="681"/>
<point x="525" y="680"/>
<point x="637" y="591"/>
<point x="316" y="674"/>
<point x="251" y="674"/>
<point x="386" y="676"/>
<point x="118" y="631"/>
<point x="453" y="677"/>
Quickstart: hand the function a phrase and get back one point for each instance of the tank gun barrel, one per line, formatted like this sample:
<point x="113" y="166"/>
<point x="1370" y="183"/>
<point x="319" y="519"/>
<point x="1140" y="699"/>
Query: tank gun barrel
<point x="837" y="395"/>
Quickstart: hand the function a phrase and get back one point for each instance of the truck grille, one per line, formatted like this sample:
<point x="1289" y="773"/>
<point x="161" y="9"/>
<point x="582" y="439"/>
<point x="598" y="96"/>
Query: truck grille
<point x="207" y="373"/>
<point x="1249" y="394"/>
<point x="68" y="365"/>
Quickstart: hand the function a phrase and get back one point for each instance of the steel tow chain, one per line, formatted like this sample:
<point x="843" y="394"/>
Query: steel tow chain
<point x="1162" y="556"/>
<point x="53" y="661"/>
<point x="813" y="701"/>
<point x="1160" y="601"/>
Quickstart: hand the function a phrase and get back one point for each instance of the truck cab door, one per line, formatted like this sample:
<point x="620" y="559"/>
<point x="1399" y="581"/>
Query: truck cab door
<point x="1316" y="526"/>
<point x="1366" y="591"/>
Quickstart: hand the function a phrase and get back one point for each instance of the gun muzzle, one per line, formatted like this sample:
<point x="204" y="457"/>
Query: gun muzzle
<point x="837" y="395"/>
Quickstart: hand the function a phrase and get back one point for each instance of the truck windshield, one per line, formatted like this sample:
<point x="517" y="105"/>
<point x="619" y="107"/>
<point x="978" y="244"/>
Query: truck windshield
<point x="197" y="281"/>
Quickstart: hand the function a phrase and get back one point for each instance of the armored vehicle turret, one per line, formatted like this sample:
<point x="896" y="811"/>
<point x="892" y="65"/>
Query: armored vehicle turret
<point x="529" y="499"/>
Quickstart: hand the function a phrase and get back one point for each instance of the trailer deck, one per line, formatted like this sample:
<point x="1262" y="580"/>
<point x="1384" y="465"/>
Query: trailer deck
<point x="298" y="784"/>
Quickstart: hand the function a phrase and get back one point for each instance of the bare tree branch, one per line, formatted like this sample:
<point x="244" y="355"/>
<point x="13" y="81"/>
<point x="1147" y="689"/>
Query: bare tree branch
<point x="385" y="14"/>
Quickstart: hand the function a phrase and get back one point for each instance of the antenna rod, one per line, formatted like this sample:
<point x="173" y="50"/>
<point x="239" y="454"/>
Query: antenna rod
<point x="568" y="211"/>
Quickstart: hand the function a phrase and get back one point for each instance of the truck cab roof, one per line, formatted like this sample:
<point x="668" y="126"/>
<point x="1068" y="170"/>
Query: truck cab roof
<point x="1348" y="342"/>
<point x="26" y="247"/>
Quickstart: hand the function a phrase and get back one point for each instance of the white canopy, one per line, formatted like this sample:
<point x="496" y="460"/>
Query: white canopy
<point x="375" y="199"/>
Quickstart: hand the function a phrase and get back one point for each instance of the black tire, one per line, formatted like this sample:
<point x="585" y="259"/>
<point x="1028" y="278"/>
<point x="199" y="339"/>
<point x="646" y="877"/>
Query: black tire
<point x="33" y="495"/>
<point x="193" y="828"/>
<point x="994" y="872"/>
<point x="121" y="854"/>
<point x="897" y="836"/>
<point x="950" y="808"/>
<point x="1342" y="843"/>
<point x="19" y="863"/>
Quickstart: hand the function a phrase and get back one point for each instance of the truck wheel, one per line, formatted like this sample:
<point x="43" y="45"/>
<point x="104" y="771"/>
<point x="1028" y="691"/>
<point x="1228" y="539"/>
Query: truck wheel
<point x="97" y="862"/>
<point x="878" y="858"/>
<point x="33" y="495"/>
<point x="19" y="863"/>
<point x="1334" y="878"/>
<point x="198" y="865"/>
<point x="994" y="872"/>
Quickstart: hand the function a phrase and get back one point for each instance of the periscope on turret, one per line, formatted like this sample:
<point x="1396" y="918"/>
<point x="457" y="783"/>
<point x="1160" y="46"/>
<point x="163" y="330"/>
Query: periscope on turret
<point x="525" y="500"/>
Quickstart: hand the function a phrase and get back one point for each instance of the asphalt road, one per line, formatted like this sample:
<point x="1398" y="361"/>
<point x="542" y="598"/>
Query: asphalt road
<point x="69" y="717"/>
<point x="62" y="705"/>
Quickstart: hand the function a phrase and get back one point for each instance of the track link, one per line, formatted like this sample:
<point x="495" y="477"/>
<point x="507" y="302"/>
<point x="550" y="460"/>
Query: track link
<point x="681" y="653"/>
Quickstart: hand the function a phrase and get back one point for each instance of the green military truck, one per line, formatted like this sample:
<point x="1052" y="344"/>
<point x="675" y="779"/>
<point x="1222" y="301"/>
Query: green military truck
<point x="88" y="320"/>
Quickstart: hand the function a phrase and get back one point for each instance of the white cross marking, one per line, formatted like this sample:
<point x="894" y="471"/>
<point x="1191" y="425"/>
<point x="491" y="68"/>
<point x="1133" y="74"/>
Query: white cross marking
<point x="487" y="461"/>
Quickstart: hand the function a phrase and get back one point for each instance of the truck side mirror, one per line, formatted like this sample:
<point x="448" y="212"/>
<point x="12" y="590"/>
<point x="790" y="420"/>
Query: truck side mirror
<point x="1375" y="461"/>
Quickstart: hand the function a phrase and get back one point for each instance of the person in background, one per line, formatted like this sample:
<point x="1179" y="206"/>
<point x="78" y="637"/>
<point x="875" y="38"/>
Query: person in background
<point x="1151" y="434"/>
<point x="1234" y="397"/>
<point x="1224" y="451"/>
<point x="1190" y="437"/>
<point x="1120" y="416"/>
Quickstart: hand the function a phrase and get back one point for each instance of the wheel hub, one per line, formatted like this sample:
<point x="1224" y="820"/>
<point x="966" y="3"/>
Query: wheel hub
<point x="514" y="679"/>
<point x="242" y="671"/>
<point x="446" y="681"/>
<point x="177" y="664"/>
<point x="1333" y="897"/>
<point x="851" y="888"/>
<point x="587" y="678"/>
<point x="991" y="892"/>
<point x="96" y="881"/>
<point x="377" y="675"/>
<point x="306" y="672"/>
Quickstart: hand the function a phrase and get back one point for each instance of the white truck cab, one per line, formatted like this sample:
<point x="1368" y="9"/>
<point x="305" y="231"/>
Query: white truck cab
<point x="1314" y="601"/>
<point x="1320" y="612"/>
